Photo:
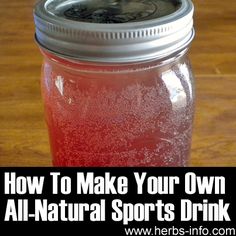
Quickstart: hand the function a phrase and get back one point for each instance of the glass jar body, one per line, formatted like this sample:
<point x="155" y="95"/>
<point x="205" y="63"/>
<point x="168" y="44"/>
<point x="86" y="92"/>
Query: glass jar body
<point x="134" y="114"/>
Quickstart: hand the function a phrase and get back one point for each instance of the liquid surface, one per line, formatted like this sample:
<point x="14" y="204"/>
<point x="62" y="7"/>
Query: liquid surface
<point x="141" y="118"/>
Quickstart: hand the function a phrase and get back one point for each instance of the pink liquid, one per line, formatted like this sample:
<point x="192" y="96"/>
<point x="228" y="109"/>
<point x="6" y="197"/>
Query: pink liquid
<point x="135" y="118"/>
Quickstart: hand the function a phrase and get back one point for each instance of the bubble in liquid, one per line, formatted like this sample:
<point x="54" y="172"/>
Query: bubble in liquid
<point x="131" y="122"/>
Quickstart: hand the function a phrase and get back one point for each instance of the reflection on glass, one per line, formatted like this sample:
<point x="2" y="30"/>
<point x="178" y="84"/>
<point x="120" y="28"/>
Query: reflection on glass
<point x="175" y="89"/>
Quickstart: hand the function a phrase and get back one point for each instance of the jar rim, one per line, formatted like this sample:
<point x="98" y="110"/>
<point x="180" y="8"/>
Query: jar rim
<point x="72" y="64"/>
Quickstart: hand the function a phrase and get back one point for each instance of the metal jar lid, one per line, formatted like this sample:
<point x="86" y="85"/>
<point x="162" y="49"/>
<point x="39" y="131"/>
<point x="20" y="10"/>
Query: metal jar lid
<point x="114" y="30"/>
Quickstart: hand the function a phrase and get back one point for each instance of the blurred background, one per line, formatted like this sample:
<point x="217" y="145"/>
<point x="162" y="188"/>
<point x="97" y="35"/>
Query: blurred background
<point x="23" y="134"/>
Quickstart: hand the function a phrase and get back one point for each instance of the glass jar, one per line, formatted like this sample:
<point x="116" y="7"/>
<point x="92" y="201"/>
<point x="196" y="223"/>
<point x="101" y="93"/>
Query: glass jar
<point x="117" y="85"/>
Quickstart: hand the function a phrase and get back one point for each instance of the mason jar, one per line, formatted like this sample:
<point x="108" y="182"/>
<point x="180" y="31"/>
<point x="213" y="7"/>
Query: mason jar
<point x="117" y="83"/>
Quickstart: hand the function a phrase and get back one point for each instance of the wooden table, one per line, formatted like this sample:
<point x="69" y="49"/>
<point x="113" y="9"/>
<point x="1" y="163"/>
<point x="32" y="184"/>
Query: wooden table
<point x="23" y="135"/>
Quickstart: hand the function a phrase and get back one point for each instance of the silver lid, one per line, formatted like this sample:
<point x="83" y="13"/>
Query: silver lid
<point x="114" y="30"/>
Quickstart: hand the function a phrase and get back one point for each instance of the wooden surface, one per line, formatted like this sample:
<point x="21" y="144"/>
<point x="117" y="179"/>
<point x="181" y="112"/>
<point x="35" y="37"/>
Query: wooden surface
<point x="23" y="135"/>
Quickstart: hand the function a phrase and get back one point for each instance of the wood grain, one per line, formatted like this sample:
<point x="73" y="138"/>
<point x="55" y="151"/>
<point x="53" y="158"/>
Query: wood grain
<point x="23" y="134"/>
